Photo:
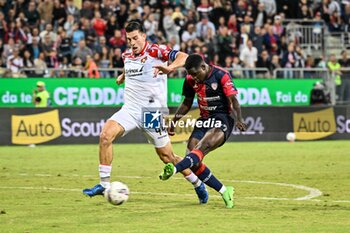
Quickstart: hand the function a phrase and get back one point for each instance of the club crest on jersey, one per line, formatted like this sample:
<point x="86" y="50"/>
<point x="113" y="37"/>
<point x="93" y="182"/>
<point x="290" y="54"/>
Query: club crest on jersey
<point x="143" y="60"/>
<point x="214" y="86"/>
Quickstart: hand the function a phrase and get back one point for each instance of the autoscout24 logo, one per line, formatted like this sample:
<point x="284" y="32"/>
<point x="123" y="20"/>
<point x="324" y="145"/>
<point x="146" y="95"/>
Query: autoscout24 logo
<point x="159" y="119"/>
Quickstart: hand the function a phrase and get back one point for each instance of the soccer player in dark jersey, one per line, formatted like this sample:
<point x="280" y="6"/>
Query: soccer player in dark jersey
<point x="217" y="102"/>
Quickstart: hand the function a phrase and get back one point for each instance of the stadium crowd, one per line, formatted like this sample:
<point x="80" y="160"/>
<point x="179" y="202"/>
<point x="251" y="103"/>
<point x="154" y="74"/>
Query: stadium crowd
<point x="87" y="35"/>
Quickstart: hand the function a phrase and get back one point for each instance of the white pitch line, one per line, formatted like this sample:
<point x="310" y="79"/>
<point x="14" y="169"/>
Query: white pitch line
<point x="140" y="193"/>
<point x="313" y="192"/>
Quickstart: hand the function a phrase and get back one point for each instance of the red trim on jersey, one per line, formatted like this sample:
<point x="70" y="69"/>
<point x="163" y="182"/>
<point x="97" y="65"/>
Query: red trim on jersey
<point x="202" y="103"/>
<point x="143" y="50"/>
<point x="227" y="85"/>
<point x="198" y="153"/>
<point x="200" y="170"/>
<point x="220" y="68"/>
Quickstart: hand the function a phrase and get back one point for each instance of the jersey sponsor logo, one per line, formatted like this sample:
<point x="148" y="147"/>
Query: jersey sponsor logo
<point x="134" y="72"/>
<point x="214" y="86"/>
<point x="36" y="128"/>
<point x="209" y="99"/>
<point x="314" y="125"/>
<point x="208" y="108"/>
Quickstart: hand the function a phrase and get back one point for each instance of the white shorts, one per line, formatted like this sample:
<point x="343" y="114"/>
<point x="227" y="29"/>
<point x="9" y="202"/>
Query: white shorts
<point x="131" y="120"/>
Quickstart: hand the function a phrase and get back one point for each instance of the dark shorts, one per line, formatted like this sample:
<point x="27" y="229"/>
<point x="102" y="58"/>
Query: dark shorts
<point x="227" y="124"/>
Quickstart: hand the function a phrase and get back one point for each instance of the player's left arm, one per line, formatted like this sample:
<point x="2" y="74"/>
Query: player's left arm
<point x="237" y="113"/>
<point x="230" y="91"/>
<point x="178" y="59"/>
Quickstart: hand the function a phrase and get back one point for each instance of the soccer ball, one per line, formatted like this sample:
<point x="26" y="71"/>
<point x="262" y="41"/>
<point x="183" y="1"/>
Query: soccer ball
<point x="117" y="194"/>
<point x="291" y="136"/>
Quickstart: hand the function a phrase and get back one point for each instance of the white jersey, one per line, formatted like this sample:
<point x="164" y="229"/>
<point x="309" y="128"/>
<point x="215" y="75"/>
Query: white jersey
<point x="142" y="89"/>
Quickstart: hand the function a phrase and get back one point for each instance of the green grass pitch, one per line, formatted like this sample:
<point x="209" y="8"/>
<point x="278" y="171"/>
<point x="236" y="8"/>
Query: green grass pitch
<point x="280" y="187"/>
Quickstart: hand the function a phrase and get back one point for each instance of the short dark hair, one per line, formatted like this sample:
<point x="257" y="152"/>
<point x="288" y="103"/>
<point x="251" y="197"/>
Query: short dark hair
<point x="134" y="25"/>
<point x="193" y="61"/>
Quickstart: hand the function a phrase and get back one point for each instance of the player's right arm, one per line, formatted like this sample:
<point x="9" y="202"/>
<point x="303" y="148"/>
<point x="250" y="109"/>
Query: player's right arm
<point x="121" y="78"/>
<point x="185" y="106"/>
<point x="182" y="110"/>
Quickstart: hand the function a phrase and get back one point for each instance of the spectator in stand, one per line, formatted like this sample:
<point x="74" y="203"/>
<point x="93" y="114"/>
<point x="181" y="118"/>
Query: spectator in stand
<point x="16" y="32"/>
<point x="3" y="26"/>
<point x="68" y="25"/>
<point x="73" y="10"/>
<point x="47" y="46"/>
<point x="237" y="68"/>
<point x="65" y="46"/>
<point x="204" y="7"/>
<point x="249" y="57"/>
<point x="15" y="63"/>
<point x="233" y="26"/>
<point x="171" y="30"/>
<point x="117" y="59"/>
<point x="346" y="17"/>
<point x="28" y="63"/>
<point x="82" y="51"/>
<point x="240" y="10"/>
<point x="112" y="25"/>
<point x="86" y="11"/>
<point x="48" y="31"/>
<point x="249" y="28"/>
<point x="225" y="44"/>
<point x="261" y="17"/>
<point x="275" y="64"/>
<point x="151" y="26"/>
<point x="89" y="32"/>
<point x="45" y="10"/>
<point x="289" y="60"/>
<point x="59" y="14"/>
<point x="189" y="34"/>
<point x="40" y="65"/>
<point x="335" y="22"/>
<point x="118" y="40"/>
<point x="91" y="67"/>
<point x="258" y="39"/>
<point x="32" y="15"/>
<point x="77" y="34"/>
<point x="105" y="62"/>
<point x="99" y="24"/>
<point x="345" y="77"/>
<point x="271" y="40"/>
<point x="264" y="62"/>
<point x="101" y="42"/>
<point x="305" y="11"/>
<point x="202" y="27"/>
<point x="35" y="48"/>
<point x="277" y="27"/>
<point x="78" y="68"/>
<point x="270" y="7"/>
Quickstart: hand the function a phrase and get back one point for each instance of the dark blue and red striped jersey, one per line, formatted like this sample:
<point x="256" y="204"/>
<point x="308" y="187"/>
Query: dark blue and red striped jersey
<point x="212" y="93"/>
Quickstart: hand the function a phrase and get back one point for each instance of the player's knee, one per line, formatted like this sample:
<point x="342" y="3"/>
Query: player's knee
<point x="205" y="146"/>
<point x="105" y="138"/>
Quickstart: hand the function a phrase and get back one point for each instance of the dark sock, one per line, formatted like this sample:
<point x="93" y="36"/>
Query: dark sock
<point x="205" y="175"/>
<point x="189" y="161"/>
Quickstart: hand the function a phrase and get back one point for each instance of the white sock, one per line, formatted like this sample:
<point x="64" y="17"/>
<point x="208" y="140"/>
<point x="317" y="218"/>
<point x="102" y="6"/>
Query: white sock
<point x="105" y="175"/>
<point x="223" y="189"/>
<point x="194" y="180"/>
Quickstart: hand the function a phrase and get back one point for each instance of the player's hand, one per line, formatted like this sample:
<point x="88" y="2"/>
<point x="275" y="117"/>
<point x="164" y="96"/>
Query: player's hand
<point x="171" y="129"/>
<point x="241" y="126"/>
<point x="161" y="69"/>
<point x="120" y="79"/>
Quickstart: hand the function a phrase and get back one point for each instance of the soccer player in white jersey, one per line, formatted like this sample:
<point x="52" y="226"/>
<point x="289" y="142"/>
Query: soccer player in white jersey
<point x="145" y="73"/>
